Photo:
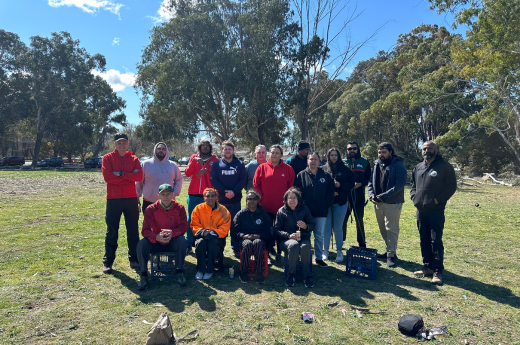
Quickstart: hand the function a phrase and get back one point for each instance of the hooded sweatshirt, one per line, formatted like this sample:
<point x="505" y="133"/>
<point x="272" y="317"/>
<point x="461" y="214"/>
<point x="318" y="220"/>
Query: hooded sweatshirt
<point x="397" y="175"/>
<point x="228" y="176"/>
<point x="198" y="184"/>
<point x="272" y="182"/>
<point x="156" y="173"/>
<point x="317" y="191"/>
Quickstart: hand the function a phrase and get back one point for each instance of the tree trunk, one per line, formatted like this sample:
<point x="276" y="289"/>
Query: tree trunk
<point x="510" y="144"/>
<point x="37" y="146"/>
<point x="100" y="142"/>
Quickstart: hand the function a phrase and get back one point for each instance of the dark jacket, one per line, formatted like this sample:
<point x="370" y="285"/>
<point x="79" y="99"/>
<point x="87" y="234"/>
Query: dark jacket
<point x="396" y="181"/>
<point x="252" y="223"/>
<point x="345" y="178"/>
<point x="298" y="164"/>
<point x="317" y="191"/>
<point x="228" y="176"/>
<point x="361" y="169"/>
<point x="286" y="220"/>
<point x="430" y="182"/>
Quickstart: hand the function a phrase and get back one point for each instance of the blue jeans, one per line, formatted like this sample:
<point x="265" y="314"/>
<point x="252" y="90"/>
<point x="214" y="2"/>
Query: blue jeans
<point x="193" y="201"/>
<point x="319" y="227"/>
<point x="339" y="215"/>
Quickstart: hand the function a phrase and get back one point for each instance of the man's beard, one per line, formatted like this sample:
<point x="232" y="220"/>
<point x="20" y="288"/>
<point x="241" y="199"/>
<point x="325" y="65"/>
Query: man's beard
<point x="385" y="161"/>
<point x="428" y="155"/>
<point x="160" y="156"/>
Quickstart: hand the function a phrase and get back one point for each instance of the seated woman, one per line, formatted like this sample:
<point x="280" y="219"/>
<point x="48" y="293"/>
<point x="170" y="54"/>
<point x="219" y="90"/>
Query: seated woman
<point x="253" y="229"/>
<point x="210" y="223"/>
<point x="292" y="217"/>
<point x="163" y="230"/>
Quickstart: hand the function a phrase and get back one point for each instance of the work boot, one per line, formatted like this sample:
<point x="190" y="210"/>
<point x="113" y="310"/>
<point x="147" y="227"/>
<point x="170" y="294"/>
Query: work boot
<point x="290" y="281"/>
<point x="143" y="282"/>
<point x="308" y="282"/>
<point x="424" y="272"/>
<point x="107" y="269"/>
<point x="437" y="278"/>
<point x="179" y="279"/>
<point x="260" y="279"/>
<point x="244" y="278"/>
<point x="321" y="263"/>
<point x="134" y="265"/>
<point x="390" y="261"/>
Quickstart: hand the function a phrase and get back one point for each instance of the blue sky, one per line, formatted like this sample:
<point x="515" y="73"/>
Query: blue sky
<point x="119" y="29"/>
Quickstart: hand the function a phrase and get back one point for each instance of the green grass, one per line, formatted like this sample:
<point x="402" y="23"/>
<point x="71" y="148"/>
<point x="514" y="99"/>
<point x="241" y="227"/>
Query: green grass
<point x="52" y="290"/>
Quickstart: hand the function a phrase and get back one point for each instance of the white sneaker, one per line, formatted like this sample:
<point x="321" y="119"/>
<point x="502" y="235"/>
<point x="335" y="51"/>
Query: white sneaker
<point x="339" y="256"/>
<point x="199" y="275"/>
<point x="325" y="255"/>
<point x="207" y="275"/>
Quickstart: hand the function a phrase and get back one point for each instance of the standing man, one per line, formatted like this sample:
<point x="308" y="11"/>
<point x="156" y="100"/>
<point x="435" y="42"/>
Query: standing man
<point x="386" y="191"/>
<point x="198" y="168"/>
<point x="157" y="171"/>
<point x="299" y="161"/>
<point x="433" y="184"/>
<point x="260" y="157"/>
<point x="356" y="199"/>
<point x="229" y="177"/>
<point x="121" y="170"/>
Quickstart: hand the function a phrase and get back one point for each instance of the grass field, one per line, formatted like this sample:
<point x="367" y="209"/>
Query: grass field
<point x="52" y="290"/>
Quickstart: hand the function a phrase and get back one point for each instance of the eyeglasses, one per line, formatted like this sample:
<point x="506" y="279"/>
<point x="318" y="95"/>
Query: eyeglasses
<point x="252" y="199"/>
<point x="352" y="149"/>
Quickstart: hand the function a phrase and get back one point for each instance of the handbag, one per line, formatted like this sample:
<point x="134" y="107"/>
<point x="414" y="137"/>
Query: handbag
<point x="410" y="324"/>
<point x="162" y="333"/>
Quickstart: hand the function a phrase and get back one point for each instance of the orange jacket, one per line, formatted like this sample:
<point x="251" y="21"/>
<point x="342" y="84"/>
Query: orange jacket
<point x="203" y="217"/>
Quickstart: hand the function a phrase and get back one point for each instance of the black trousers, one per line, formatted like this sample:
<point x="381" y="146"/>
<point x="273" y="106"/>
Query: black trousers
<point x="207" y="250"/>
<point x="358" y="215"/>
<point x="176" y="245"/>
<point x="115" y="208"/>
<point x="255" y="247"/>
<point x="273" y="240"/>
<point x="145" y="204"/>
<point x="431" y="227"/>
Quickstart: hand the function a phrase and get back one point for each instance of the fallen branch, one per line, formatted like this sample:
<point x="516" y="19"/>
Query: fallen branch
<point x="497" y="181"/>
<point x="464" y="183"/>
<point x="365" y="310"/>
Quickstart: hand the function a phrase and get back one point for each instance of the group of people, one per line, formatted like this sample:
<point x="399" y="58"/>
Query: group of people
<point x="286" y="202"/>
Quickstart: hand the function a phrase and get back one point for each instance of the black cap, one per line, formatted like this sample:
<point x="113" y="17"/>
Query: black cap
<point x="120" y="136"/>
<point x="302" y="145"/>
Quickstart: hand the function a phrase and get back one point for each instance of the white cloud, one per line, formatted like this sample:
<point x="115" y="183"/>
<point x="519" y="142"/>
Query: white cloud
<point x="164" y="13"/>
<point x="119" y="81"/>
<point x="115" y="41"/>
<point x="89" y="6"/>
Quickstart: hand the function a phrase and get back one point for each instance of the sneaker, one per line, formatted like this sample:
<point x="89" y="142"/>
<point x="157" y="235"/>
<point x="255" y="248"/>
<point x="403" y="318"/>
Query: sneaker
<point x="199" y="275"/>
<point x="107" y="269"/>
<point x="321" y="263"/>
<point x="325" y="255"/>
<point x="143" y="283"/>
<point x="260" y="279"/>
<point x="339" y="256"/>
<point x="134" y="265"/>
<point x="269" y="262"/>
<point x="308" y="282"/>
<point x="179" y="279"/>
<point x="244" y="278"/>
<point x="390" y="261"/>
<point x="290" y="281"/>
<point x="207" y="276"/>
<point x="437" y="278"/>
<point x="424" y="272"/>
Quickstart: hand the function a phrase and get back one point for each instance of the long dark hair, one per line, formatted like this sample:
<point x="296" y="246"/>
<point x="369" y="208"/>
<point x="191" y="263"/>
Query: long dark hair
<point x="205" y="142"/>
<point x="332" y="168"/>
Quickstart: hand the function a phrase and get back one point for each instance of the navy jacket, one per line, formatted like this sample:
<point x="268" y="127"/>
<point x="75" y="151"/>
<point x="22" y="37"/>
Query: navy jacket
<point x="396" y="182"/>
<point x="228" y="176"/>
<point x="317" y="191"/>
<point x="286" y="220"/>
<point x="252" y="223"/>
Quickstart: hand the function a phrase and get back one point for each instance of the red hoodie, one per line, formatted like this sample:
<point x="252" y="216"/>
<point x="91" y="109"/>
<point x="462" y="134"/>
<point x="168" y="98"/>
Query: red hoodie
<point x="272" y="182"/>
<point x="198" y="184"/>
<point x="156" y="218"/>
<point x="121" y="186"/>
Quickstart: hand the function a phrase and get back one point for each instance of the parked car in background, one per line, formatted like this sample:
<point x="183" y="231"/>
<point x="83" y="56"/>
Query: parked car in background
<point x="92" y="163"/>
<point x="173" y="159"/>
<point x="99" y="161"/>
<point x="13" y="160"/>
<point x="51" y="162"/>
<point x="142" y="159"/>
<point x="184" y="161"/>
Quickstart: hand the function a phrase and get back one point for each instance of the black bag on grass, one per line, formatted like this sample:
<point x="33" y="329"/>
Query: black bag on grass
<point x="410" y="324"/>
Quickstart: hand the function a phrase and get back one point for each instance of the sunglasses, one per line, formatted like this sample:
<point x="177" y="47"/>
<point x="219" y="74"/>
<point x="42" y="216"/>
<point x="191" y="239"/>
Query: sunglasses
<point x="352" y="149"/>
<point x="251" y="199"/>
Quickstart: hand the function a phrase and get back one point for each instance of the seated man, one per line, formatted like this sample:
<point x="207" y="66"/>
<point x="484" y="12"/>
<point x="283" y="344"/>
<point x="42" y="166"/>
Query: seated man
<point x="253" y="229"/>
<point x="164" y="226"/>
<point x="210" y="223"/>
<point x="294" y="216"/>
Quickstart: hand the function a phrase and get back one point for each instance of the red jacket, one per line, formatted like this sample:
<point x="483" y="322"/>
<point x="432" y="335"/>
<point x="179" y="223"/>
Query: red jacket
<point x="121" y="186"/>
<point x="198" y="184"/>
<point x="156" y="218"/>
<point x="272" y="182"/>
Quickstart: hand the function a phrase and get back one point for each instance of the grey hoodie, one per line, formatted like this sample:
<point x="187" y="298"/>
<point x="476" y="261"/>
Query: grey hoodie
<point x="156" y="173"/>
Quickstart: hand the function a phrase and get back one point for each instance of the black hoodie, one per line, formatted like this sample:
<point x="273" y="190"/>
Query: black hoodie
<point x="430" y="182"/>
<point x="346" y="180"/>
<point x="252" y="223"/>
<point x="286" y="220"/>
<point x="317" y="191"/>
